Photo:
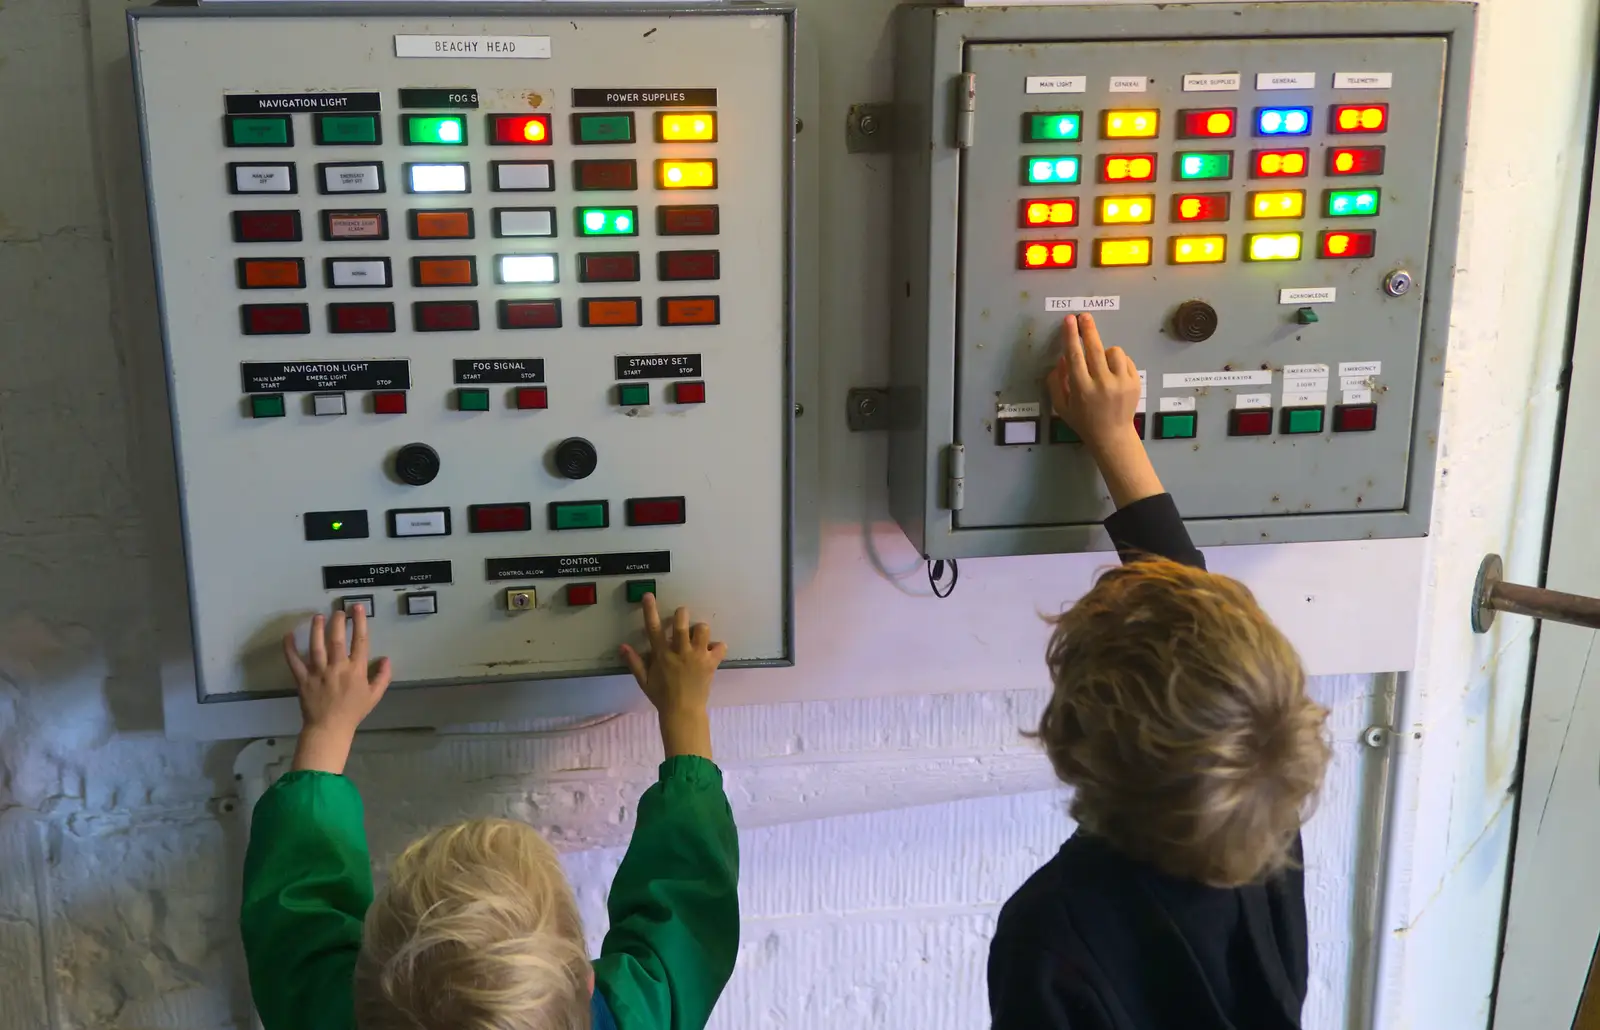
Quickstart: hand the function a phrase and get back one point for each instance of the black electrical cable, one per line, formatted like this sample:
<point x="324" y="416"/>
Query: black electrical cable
<point x="936" y="573"/>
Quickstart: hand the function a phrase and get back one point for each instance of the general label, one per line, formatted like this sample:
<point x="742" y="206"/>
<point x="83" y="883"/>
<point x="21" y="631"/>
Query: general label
<point x="460" y="98"/>
<point x="524" y="47"/>
<point x="658" y="366"/>
<point x="1177" y="404"/>
<point x="1360" y="368"/>
<point x="1253" y="400"/>
<point x="1058" y="84"/>
<point x="306" y="376"/>
<point x="499" y="370"/>
<point x="1309" y="295"/>
<point x="644" y="96"/>
<point x="1215" y="82"/>
<point x="559" y="566"/>
<point x="1083" y="303"/>
<point x="268" y="103"/>
<point x="1129" y="83"/>
<point x="1186" y="380"/>
<point x="1286" y="80"/>
<point x="1018" y="410"/>
<point x="392" y="574"/>
<point x="1363" y="80"/>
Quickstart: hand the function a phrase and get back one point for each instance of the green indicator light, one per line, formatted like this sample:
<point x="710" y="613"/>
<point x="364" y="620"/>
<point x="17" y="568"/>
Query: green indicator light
<point x="1305" y="420"/>
<point x="1051" y="169"/>
<point x="608" y="221"/>
<point x="338" y="526"/>
<point x="1063" y="125"/>
<point x="438" y="130"/>
<point x="1352" y="203"/>
<point x="1201" y="165"/>
<point x="259" y="132"/>
<point x="605" y="128"/>
<point x="340" y="128"/>
<point x="637" y="588"/>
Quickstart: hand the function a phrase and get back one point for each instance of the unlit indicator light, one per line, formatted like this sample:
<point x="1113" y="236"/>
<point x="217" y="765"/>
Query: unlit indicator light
<point x="1278" y="246"/>
<point x="1360" y="118"/>
<point x="1276" y="164"/>
<point x="686" y="175"/>
<point x="1199" y="250"/>
<point x="1140" y="210"/>
<point x="1348" y="243"/>
<point x="608" y="221"/>
<point x="526" y="268"/>
<point x="1213" y="124"/>
<point x="1216" y="164"/>
<point x="1051" y="212"/>
<point x="1355" y="161"/>
<point x="686" y="127"/>
<point x="1055" y="125"/>
<point x="1128" y="168"/>
<point x="1048" y="254"/>
<point x="1278" y="204"/>
<point x="1121" y="253"/>
<point x="1283" y="121"/>
<point x="1352" y="203"/>
<point x="437" y="178"/>
<point x="1200" y="207"/>
<point x="1053" y="169"/>
<point x="436" y="130"/>
<point x="1142" y="124"/>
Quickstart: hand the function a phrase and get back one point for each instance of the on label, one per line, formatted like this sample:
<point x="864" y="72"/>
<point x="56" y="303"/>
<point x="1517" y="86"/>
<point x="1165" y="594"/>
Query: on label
<point x="1177" y="404"/>
<point x="1083" y="303"/>
<point x="1058" y="84"/>
<point x="1305" y="398"/>
<point x="499" y="47"/>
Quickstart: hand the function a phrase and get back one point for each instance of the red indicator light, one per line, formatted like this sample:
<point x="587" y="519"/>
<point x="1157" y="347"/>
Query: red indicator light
<point x="266" y="226"/>
<point x="530" y="314"/>
<point x="655" y="511"/>
<point x="581" y="595"/>
<point x="608" y="268"/>
<point x="500" y="518"/>
<point x="1047" y="254"/>
<point x="687" y="265"/>
<point x="1348" y="243"/>
<point x="445" y="316"/>
<point x="1250" y="422"/>
<point x="389" y="402"/>
<point x="689" y="220"/>
<point x="1359" y="118"/>
<point x="1355" y="161"/>
<point x="1279" y="164"/>
<point x="606" y="175"/>
<point x="361" y="318"/>
<point x="1355" y="418"/>
<point x="688" y="393"/>
<point x="1049" y="211"/>
<point x="1212" y="124"/>
<point x="521" y="129"/>
<point x="532" y="398"/>
<point x="1200" y="207"/>
<point x="1127" y="168"/>
<point x="276" y="319"/>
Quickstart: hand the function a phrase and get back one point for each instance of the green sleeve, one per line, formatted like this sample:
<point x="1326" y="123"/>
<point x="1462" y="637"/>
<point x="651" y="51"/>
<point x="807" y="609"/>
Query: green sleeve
<point x="307" y="885"/>
<point x="674" y="905"/>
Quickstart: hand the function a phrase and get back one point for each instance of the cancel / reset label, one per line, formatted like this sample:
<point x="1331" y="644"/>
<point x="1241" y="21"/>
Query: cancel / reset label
<point x="391" y="574"/>
<point x="499" y="370"/>
<point x="1083" y="303"/>
<point x="658" y="366"/>
<point x="558" y="566"/>
<point x="306" y="376"/>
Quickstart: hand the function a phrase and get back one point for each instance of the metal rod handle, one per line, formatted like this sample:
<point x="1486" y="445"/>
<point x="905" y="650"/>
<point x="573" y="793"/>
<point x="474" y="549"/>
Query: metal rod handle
<point x="1493" y="594"/>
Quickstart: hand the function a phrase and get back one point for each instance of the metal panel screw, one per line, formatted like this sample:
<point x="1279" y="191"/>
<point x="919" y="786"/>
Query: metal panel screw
<point x="868" y="125"/>
<point x="1375" y="737"/>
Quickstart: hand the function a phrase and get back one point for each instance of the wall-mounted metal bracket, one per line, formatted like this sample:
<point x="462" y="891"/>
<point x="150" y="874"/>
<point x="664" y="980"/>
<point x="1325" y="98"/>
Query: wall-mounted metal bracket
<point x="869" y="129"/>
<point x="867" y="409"/>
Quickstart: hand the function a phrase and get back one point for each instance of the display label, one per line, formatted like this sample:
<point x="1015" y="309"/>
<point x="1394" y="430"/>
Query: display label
<point x="1309" y="295"/>
<point x="1363" y="80"/>
<point x="1360" y="368"/>
<point x="1216" y="82"/>
<point x="525" y="47"/>
<point x="1253" y="400"/>
<point x="306" y="376"/>
<point x="390" y="574"/>
<point x="1286" y="80"/>
<point x="1058" y="84"/>
<point x="658" y="366"/>
<point x="459" y="98"/>
<point x="1177" y="404"/>
<point x="559" y="566"/>
<point x="499" y="370"/>
<point x="1129" y="83"/>
<point x="1018" y="410"/>
<point x="1083" y="303"/>
<point x="271" y="103"/>
<point x="1185" y="380"/>
<point x="644" y="96"/>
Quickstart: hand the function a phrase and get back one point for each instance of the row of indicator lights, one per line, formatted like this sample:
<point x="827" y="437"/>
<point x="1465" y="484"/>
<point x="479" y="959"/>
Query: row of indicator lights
<point x="450" y="130"/>
<point x="516" y="599"/>
<point x="467" y="398"/>
<point x="462" y="315"/>
<point x="510" y="270"/>
<point x="1212" y="123"/>
<point x="1299" y="420"/>
<point x="512" y="517"/>
<point x="1195" y="250"/>
<point x="1140" y="209"/>
<point x="1188" y="166"/>
<point x="357" y="177"/>
<point x="283" y="226"/>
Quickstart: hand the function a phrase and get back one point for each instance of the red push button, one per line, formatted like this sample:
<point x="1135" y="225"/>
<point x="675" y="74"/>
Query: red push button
<point x="266" y="227"/>
<point x="683" y="265"/>
<point x="688" y="393"/>
<point x="389" y="402"/>
<point x="520" y="130"/>
<point x="500" y="518"/>
<point x="1355" y="418"/>
<point x="361" y="318"/>
<point x="655" y="511"/>
<point x="1138" y="424"/>
<point x="606" y="175"/>
<point x="276" y="319"/>
<point x="1250" y="422"/>
<point x="530" y="314"/>
<point x="532" y="398"/>
<point x="608" y="268"/>
<point x="689" y="220"/>
<point x="443" y="316"/>
<point x="582" y="595"/>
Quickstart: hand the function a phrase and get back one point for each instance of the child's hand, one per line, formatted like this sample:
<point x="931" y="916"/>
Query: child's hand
<point x="1095" y="390"/>
<point x="337" y="690"/>
<point x="676" y="676"/>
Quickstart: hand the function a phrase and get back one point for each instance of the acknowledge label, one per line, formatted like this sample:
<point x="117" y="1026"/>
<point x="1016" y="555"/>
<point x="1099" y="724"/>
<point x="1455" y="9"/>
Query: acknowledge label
<point x="558" y="566"/>
<point x="499" y="370"/>
<point x="306" y="376"/>
<point x="393" y="574"/>
<point x="658" y="366"/>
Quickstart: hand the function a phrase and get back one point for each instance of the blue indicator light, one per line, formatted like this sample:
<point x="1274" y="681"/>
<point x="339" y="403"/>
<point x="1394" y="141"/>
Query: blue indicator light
<point x="1283" y="121"/>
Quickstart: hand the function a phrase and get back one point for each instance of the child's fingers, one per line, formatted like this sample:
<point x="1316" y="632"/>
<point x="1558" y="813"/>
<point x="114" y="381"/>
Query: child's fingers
<point x="680" y="629"/>
<point x="635" y="664"/>
<point x="380" y="677"/>
<point x="319" y="643"/>
<point x="291" y="654"/>
<point x="700" y="636"/>
<point x="1056" y="382"/>
<point x="358" y="634"/>
<point x="1077" y="364"/>
<point x="1093" y="350"/>
<point x="652" y="623"/>
<point x="719" y="651"/>
<point x="338" y="649"/>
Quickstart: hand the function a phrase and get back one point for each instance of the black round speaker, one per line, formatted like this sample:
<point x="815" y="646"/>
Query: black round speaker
<point x="1195" y="321"/>
<point x="417" y="464"/>
<point x="576" y="458"/>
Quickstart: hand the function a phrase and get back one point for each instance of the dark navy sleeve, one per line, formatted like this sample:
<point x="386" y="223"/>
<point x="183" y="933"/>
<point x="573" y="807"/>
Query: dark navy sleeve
<point x="1152" y="528"/>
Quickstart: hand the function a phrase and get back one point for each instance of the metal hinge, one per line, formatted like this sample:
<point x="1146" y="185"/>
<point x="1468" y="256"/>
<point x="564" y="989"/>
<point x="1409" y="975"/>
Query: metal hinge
<point x="956" y="485"/>
<point x="966" y="109"/>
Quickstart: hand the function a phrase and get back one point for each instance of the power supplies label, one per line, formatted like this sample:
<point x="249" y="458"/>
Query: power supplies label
<point x="499" y="370"/>
<point x="658" y="366"/>
<point x="641" y="97"/>
<point x="307" y="376"/>
<point x="392" y="574"/>
<point x="626" y="563"/>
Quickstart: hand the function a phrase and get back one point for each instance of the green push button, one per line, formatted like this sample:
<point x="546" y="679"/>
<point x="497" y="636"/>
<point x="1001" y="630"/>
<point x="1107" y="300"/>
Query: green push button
<point x="1060" y="432"/>
<point x="266" y="405"/>
<point x="637" y="588"/>
<point x="1177" y="427"/>
<point x="579" y="515"/>
<point x="347" y="128"/>
<point x="603" y="128"/>
<point x="1302" y="420"/>
<point x="633" y="395"/>
<point x="251" y="131"/>
<point x="470" y="399"/>
<point x="447" y="130"/>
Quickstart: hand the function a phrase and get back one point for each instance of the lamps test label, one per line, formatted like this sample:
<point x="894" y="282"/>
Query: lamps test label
<point x="1083" y="303"/>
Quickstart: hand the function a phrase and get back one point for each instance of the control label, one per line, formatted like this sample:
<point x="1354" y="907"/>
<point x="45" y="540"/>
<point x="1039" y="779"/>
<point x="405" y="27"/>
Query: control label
<point x="658" y="366"/>
<point x="266" y="103"/>
<point x="1083" y="303"/>
<point x="558" y="566"/>
<point x="390" y="574"/>
<point x="524" y="47"/>
<point x="307" y="376"/>
<point x="639" y="96"/>
<point x="459" y="98"/>
<point x="499" y="370"/>
<point x="1018" y="410"/>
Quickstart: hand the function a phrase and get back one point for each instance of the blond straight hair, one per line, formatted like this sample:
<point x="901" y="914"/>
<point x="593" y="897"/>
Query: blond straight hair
<point x="476" y="929"/>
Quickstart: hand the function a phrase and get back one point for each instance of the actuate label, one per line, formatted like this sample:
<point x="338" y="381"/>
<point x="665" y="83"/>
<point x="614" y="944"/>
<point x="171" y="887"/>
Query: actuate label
<point x="499" y="370"/>
<point x="558" y="566"/>
<point x="658" y="366"/>
<point x="391" y="574"/>
<point x="305" y="376"/>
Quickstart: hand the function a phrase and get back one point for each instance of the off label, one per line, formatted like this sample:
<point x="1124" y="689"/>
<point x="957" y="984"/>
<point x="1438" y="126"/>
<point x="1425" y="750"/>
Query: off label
<point x="658" y="366"/>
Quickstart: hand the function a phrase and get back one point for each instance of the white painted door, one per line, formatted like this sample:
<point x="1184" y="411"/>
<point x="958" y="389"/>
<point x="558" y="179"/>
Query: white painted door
<point x="1553" y="917"/>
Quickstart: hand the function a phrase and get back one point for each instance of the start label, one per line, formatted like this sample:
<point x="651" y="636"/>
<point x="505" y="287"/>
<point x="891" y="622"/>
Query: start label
<point x="658" y="366"/>
<point x="499" y="370"/>
<point x="309" y="376"/>
<point x="559" y="566"/>
<point x="390" y="574"/>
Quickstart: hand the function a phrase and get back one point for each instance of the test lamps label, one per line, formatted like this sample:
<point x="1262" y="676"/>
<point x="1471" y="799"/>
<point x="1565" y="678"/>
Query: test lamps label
<point x="269" y="103"/>
<point x="1083" y="303"/>
<point x="494" y="47"/>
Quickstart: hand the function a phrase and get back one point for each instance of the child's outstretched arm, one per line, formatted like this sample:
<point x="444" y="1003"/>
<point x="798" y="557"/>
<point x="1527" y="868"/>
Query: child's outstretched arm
<point x="307" y="875"/>
<point x="675" y="901"/>
<point x="1095" y="390"/>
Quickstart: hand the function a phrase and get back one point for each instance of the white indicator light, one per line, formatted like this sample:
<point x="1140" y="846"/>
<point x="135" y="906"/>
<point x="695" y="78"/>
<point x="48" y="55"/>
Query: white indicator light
<point x="439" y="178"/>
<point x="528" y="268"/>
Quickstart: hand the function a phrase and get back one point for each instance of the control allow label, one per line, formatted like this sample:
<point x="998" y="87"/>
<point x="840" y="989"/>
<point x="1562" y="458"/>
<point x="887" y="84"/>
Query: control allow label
<point x="267" y="103"/>
<point x="307" y="376"/>
<point x="1083" y="303"/>
<point x="499" y="370"/>
<point x="393" y="574"/>
<point x="558" y="566"/>
<point x="637" y="96"/>
<point x="658" y="366"/>
<point x="472" y="46"/>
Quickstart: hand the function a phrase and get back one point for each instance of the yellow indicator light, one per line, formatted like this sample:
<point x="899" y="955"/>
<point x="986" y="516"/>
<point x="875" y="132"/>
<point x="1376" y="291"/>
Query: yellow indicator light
<point x="1140" y="210"/>
<point x="1282" y="246"/>
<point x="1278" y="204"/>
<point x="1112" y="253"/>
<point x="694" y="127"/>
<point x="1131" y="124"/>
<point x="1199" y="250"/>
<point x="687" y="175"/>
